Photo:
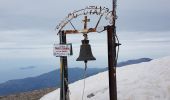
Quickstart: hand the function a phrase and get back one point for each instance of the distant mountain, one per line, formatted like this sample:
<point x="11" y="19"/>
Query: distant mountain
<point x="47" y="80"/>
<point x="29" y="67"/>
<point x="136" y="61"/>
<point x="52" y="79"/>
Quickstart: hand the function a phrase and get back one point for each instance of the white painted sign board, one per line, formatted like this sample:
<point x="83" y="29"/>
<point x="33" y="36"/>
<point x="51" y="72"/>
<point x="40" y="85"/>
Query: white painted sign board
<point x="62" y="50"/>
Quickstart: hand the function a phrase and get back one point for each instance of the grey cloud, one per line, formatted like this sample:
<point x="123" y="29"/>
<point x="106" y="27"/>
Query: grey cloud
<point x="33" y="14"/>
<point x="143" y="15"/>
<point x="137" y="21"/>
<point x="32" y="22"/>
<point x="133" y="15"/>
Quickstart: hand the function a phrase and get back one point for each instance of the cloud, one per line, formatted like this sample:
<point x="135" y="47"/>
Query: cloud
<point x="133" y="15"/>
<point x="143" y="15"/>
<point x="28" y="26"/>
<point x="18" y="14"/>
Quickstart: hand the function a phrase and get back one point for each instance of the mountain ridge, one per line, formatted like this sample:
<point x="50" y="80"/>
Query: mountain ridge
<point x="52" y="79"/>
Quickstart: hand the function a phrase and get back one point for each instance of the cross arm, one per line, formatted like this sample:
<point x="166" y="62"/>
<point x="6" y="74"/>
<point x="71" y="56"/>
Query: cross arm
<point x="80" y="31"/>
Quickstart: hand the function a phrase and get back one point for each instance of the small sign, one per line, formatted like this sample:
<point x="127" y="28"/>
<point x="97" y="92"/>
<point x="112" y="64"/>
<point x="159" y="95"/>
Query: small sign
<point x="62" y="50"/>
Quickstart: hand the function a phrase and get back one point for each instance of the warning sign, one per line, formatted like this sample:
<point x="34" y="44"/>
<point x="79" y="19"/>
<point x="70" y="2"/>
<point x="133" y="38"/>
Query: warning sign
<point x="62" y="50"/>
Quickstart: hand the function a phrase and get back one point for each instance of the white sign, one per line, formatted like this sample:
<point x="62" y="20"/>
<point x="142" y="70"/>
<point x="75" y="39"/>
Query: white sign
<point x="62" y="50"/>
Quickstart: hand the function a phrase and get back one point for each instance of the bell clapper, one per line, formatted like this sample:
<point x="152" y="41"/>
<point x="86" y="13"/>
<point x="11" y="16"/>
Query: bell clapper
<point x="85" y="36"/>
<point x="85" y="62"/>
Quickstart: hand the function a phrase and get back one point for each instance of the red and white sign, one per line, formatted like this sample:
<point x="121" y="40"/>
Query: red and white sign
<point x="62" y="50"/>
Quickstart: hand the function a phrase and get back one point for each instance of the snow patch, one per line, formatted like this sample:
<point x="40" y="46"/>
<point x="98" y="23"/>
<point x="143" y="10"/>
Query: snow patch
<point x="145" y="81"/>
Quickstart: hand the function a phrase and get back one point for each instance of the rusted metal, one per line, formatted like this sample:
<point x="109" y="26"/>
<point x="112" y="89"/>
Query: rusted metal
<point x="112" y="63"/>
<point x="111" y="33"/>
<point x="63" y="71"/>
<point x="79" y="31"/>
<point x="85" y="22"/>
<point x="90" y="10"/>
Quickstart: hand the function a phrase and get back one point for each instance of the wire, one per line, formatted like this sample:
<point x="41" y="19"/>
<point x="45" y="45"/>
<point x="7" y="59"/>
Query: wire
<point x="68" y="90"/>
<point x="84" y="76"/>
<point x="117" y="54"/>
<point x="72" y="25"/>
<point x="98" y="21"/>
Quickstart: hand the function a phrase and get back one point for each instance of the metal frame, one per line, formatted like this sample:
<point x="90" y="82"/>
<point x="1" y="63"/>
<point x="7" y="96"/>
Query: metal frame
<point x="111" y="42"/>
<point x="64" y="91"/>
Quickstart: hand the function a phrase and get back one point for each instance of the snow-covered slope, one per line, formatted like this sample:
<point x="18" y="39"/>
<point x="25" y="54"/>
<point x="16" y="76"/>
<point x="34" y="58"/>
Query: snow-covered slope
<point x="145" y="81"/>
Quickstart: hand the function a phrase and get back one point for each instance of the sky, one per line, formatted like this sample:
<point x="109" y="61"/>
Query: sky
<point x="27" y="33"/>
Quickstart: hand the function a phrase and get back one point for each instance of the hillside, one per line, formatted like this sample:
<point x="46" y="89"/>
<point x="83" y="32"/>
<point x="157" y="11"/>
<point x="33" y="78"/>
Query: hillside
<point x="47" y="80"/>
<point x="33" y="95"/>
<point x="145" y="81"/>
<point x="52" y="79"/>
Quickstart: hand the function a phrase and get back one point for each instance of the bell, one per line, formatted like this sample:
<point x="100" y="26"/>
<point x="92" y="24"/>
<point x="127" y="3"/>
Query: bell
<point x="85" y="52"/>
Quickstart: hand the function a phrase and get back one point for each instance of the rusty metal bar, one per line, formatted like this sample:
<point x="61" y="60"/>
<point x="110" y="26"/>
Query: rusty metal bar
<point x="112" y="63"/>
<point x="77" y="31"/>
<point x="111" y="33"/>
<point x="63" y="71"/>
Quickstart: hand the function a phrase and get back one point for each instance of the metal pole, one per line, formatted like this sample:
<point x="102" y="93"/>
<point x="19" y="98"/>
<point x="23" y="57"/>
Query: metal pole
<point x="111" y="32"/>
<point x="112" y="63"/>
<point x="63" y="71"/>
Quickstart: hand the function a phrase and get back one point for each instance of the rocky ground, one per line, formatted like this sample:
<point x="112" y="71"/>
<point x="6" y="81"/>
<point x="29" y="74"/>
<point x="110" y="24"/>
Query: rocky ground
<point x="33" y="95"/>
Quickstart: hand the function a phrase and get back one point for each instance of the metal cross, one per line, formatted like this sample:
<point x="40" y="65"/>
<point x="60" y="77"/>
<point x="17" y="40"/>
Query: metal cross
<point x="85" y="22"/>
<point x="84" y="30"/>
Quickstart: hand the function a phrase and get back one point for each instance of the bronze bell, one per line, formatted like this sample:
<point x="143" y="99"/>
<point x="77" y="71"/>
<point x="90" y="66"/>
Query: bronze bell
<point x="85" y="52"/>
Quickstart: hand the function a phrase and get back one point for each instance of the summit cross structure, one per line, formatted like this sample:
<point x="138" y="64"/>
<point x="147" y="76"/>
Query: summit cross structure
<point x="111" y="43"/>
